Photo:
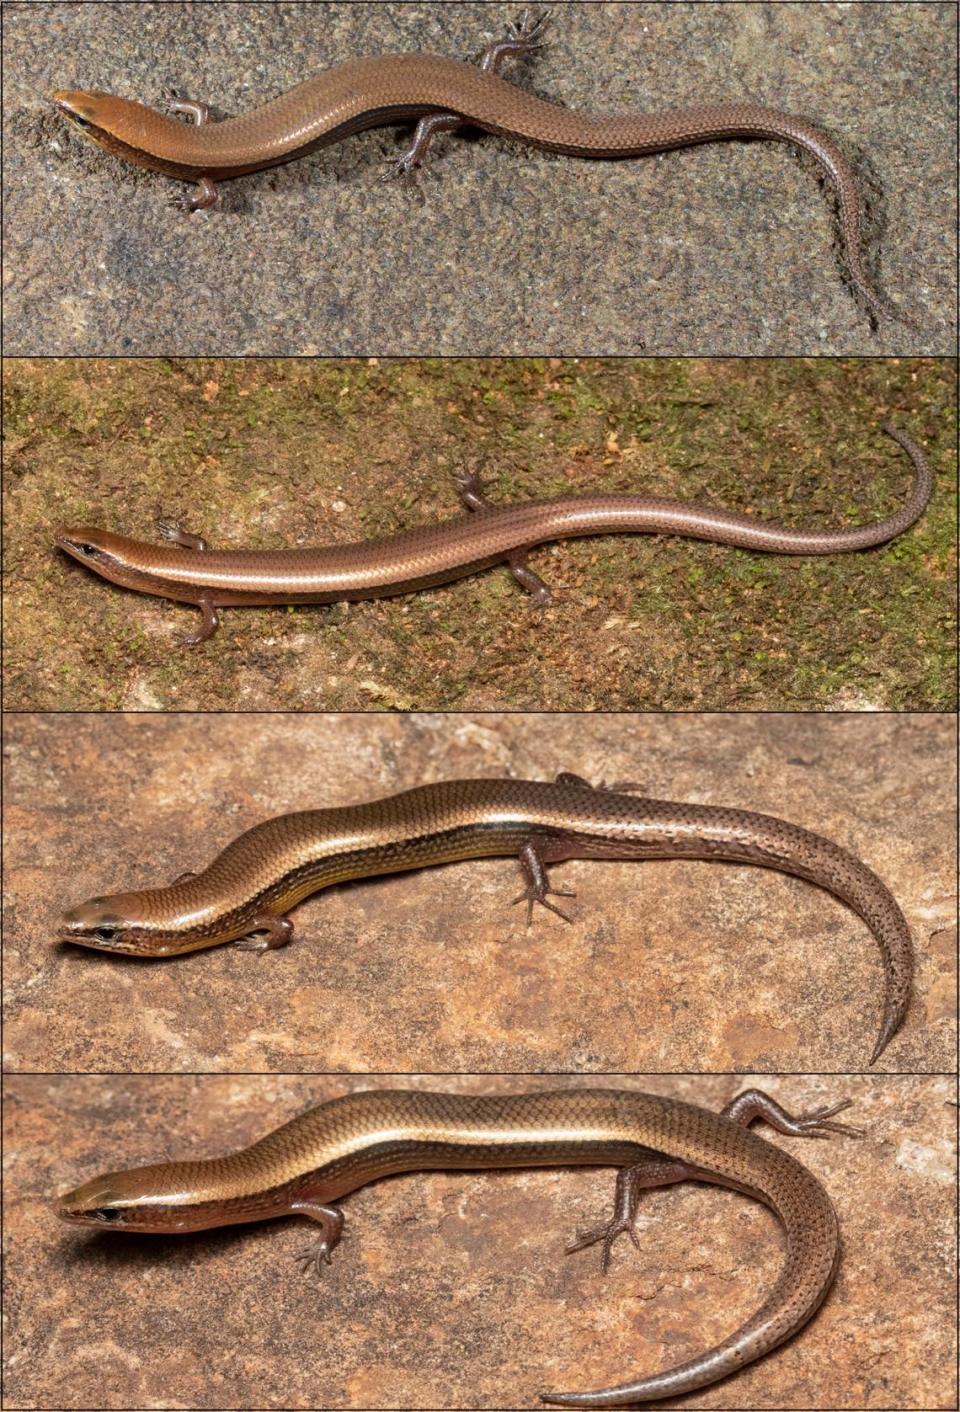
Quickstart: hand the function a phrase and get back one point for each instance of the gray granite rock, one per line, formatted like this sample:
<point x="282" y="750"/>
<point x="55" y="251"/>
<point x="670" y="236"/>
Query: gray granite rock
<point x="724" y="248"/>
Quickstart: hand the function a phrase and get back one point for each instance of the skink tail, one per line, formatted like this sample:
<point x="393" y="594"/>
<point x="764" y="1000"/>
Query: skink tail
<point x="813" y="1252"/>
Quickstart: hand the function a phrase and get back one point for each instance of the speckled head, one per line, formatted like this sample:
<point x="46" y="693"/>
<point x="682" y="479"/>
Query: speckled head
<point x="119" y="923"/>
<point x="148" y="1199"/>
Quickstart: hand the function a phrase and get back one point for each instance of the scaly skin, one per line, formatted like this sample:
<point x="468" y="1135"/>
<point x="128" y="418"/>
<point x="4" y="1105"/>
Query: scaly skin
<point x="261" y="875"/>
<point x="444" y="93"/>
<point x="188" y="571"/>
<point x="344" y="1144"/>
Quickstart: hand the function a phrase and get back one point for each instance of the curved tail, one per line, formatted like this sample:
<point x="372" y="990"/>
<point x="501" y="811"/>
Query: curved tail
<point x="813" y="1253"/>
<point x="911" y="509"/>
<point x="567" y="518"/>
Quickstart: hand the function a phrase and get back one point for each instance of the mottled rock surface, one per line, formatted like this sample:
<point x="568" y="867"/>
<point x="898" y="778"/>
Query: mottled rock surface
<point x="452" y="1289"/>
<point x="728" y="248"/>
<point x="667" y="965"/>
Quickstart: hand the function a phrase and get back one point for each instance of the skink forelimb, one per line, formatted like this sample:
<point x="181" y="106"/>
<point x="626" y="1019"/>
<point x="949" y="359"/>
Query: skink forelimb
<point x="522" y="39"/>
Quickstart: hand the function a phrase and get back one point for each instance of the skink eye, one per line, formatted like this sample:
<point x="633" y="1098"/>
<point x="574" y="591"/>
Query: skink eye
<point x="88" y="549"/>
<point x="81" y="122"/>
<point x="106" y="1213"/>
<point x="105" y="933"/>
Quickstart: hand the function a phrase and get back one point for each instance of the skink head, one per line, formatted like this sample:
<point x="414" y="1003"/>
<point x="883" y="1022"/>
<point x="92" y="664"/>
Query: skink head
<point x="114" y="556"/>
<point x="96" y="1203"/>
<point x="99" y="116"/>
<point x="149" y="1199"/>
<point x="119" y="923"/>
<point x="95" y="547"/>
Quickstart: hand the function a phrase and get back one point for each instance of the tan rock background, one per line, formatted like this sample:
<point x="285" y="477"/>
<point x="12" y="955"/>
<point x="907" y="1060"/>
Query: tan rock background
<point x="452" y="1289"/>
<point x="667" y="965"/>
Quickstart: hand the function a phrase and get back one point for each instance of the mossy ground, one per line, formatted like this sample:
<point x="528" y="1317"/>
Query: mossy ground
<point x="282" y="453"/>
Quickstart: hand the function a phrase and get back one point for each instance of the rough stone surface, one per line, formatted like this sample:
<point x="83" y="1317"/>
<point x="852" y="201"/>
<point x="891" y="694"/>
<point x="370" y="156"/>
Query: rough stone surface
<point x="452" y="1289"/>
<point x="668" y="965"/>
<point x="729" y="247"/>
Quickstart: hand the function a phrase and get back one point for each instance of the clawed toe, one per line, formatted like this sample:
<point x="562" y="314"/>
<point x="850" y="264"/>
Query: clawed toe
<point x="550" y="596"/>
<point x="531" y="896"/>
<point x="822" y="1129"/>
<point x="312" y="1260"/>
<point x="607" y="1235"/>
<point x="529" y="28"/>
<point x="408" y="170"/>
<point x="252" y="943"/>
<point x="828" y="1112"/>
<point x="817" y="1124"/>
<point x="585" y="1239"/>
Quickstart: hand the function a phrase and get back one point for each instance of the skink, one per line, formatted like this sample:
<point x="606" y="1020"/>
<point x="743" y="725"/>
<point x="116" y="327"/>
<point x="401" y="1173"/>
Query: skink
<point x="444" y="94"/>
<point x="186" y="570"/>
<point x="344" y="1144"/>
<point x="246" y="892"/>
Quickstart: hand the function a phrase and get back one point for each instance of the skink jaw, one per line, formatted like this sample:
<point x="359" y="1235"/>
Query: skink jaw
<point x="72" y="1208"/>
<point x="146" y="1200"/>
<point x="91" y="924"/>
<point x="117" y="924"/>
<point x="79" y="107"/>
<point x="99" y="1202"/>
<point x="72" y="104"/>
<point x="82" y="544"/>
<point x="113" y="924"/>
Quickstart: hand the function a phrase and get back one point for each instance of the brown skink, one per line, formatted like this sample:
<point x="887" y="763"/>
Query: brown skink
<point x="444" y="94"/>
<point x="186" y="570"/>
<point x="344" y="1144"/>
<point x="245" y="893"/>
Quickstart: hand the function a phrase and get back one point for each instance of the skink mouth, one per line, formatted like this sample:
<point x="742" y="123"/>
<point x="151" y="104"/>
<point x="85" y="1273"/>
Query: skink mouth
<point x="77" y="546"/>
<point x="72" y="106"/>
<point x="101" y="1220"/>
<point x="90" y="942"/>
<point x="94" y="926"/>
<point x="117" y="945"/>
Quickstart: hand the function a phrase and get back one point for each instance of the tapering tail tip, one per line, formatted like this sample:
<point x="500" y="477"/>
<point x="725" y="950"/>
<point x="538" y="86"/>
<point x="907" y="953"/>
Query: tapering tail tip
<point x="888" y="1029"/>
<point x="570" y="1399"/>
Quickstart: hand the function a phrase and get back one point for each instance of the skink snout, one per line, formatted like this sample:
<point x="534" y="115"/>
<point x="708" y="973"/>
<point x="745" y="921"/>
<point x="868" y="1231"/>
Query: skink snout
<point x="83" y="544"/>
<point x="153" y="1199"/>
<point x="93" y="1204"/>
<point x="76" y="106"/>
<point x="94" y="923"/>
<point x="121" y="922"/>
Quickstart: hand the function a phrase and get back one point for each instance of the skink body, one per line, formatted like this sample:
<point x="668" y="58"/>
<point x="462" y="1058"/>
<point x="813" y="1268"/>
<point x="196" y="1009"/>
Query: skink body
<point x="344" y="1144"/>
<point x="444" y="93"/>
<point x="435" y="554"/>
<point x="251" y="886"/>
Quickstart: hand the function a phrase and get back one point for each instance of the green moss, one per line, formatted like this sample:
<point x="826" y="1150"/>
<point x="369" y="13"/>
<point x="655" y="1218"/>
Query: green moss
<point x="282" y="453"/>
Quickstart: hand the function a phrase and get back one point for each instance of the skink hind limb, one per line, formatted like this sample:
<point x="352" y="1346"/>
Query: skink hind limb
<point x="473" y="497"/>
<point x="799" y="1292"/>
<point x="523" y="38"/>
